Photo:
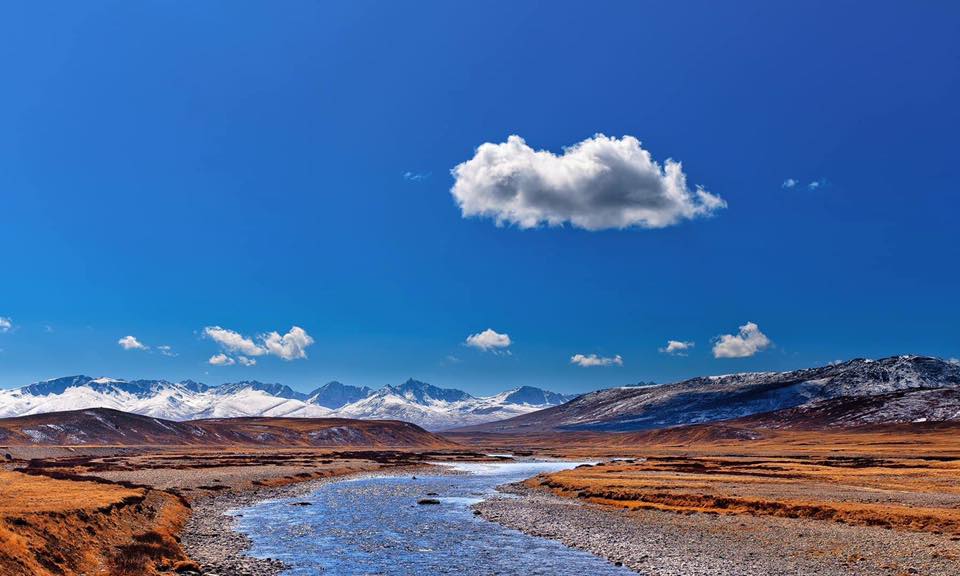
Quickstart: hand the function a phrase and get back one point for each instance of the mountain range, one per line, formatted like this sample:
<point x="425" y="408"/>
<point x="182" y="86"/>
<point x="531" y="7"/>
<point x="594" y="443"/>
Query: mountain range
<point x="413" y="401"/>
<point x="898" y="389"/>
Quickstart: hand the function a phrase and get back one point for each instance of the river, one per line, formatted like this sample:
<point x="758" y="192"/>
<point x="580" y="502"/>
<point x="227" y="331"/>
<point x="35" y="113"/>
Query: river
<point x="375" y="526"/>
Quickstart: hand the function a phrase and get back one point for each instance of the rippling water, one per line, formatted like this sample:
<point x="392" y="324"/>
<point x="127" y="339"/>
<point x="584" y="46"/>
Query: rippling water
<point x="375" y="526"/>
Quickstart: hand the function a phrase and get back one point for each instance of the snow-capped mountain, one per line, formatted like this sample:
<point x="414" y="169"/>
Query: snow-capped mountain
<point x="413" y="401"/>
<point x="186" y="400"/>
<point x="440" y="408"/>
<point x="336" y="394"/>
<point x="896" y="387"/>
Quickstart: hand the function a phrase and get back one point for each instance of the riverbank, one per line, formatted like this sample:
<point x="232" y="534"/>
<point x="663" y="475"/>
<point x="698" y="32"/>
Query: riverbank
<point x="210" y="536"/>
<point x="55" y="521"/>
<point x="396" y="523"/>
<point x="689" y="544"/>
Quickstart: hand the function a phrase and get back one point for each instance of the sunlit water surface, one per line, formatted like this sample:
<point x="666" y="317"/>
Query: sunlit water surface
<point x="375" y="526"/>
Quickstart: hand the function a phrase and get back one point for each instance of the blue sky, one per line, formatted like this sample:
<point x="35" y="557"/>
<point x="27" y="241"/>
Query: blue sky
<point x="255" y="166"/>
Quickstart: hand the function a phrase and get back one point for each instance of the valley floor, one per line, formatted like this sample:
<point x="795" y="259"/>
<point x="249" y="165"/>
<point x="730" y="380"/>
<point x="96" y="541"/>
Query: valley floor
<point x="708" y="501"/>
<point x="713" y="501"/>
<point x="146" y="510"/>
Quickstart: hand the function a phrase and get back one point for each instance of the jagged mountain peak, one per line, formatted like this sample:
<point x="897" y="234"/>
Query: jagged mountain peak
<point x="535" y="396"/>
<point x="423" y="393"/>
<point x="414" y="401"/>
<point x="336" y="394"/>
<point x="56" y="385"/>
<point x="273" y="389"/>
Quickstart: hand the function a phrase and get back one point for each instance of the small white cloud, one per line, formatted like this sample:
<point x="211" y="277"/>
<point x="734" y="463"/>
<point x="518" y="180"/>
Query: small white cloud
<point x="290" y="346"/>
<point x="817" y="184"/>
<point x="594" y="360"/>
<point x="416" y="176"/>
<point x="6" y="324"/>
<point x="221" y="360"/>
<point x="746" y="343"/>
<point x="677" y="347"/>
<point x="790" y="183"/>
<point x="599" y="183"/>
<point x="166" y="351"/>
<point x="131" y="343"/>
<point x="244" y="361"/>
<point x="233" y="341"/>
<point x="488" y="340"/>
<point x="451" y="359"/>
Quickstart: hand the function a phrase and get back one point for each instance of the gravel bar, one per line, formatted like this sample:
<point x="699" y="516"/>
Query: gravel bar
<point x="661" y="543"/>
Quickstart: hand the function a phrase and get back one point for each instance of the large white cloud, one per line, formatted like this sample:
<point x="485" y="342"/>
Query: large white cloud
<point x="677" y="347"/>
<point x="6" y="324"/>
<point x="290" y="346"/>
<point x="131" y="343"/>
<point x="488" y="340"/>
<point x="594" y="360"/>
<point x="747" y="342"/>
<point x="596" y="184"/>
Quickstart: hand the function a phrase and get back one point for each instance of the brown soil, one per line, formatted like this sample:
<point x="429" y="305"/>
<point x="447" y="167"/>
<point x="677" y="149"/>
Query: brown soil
<point x="899" y="481"/>
<point x="56" y="527"/>
<point x="120" y="512"/>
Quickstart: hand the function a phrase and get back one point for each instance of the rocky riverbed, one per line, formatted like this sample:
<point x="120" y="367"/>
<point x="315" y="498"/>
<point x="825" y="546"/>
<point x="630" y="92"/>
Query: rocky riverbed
<point x="211" y="539"/>
<point x="669" y="544"/>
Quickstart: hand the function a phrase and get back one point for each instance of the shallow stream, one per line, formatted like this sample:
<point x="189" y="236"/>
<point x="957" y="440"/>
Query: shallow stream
<point x="375" y="526"/>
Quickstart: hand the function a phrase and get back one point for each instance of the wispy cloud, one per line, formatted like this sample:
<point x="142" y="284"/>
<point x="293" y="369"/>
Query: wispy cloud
<point x="812" y="185"/>
<point x="744" y="344"/>
<point x="131" y="343"/>
<point x="677" y="347"/>
<point x="599" y="183"/>
<point x="489" y="340"/>
<point x="165" y="350"/>
<point x="6" y="324"/>
<point x="416" y="176"/>
<point x="593" y="360"/>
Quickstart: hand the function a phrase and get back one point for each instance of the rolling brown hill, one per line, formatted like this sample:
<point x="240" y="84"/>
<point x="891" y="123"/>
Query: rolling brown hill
<point x="106" y="427"/>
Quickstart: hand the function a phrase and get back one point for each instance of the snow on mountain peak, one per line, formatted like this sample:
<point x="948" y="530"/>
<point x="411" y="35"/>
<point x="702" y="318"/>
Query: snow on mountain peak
<point x="413" y="401"/>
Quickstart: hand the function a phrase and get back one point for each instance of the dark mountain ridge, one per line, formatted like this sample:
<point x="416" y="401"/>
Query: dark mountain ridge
<point x="733" y="396"/>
